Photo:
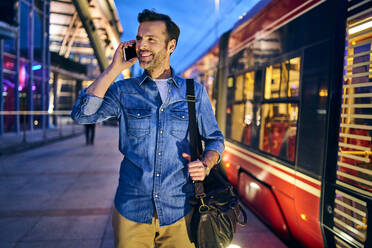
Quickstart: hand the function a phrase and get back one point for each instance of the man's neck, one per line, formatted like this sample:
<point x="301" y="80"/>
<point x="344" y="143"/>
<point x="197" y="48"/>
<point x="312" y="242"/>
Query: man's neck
<point x="160" y="74"/>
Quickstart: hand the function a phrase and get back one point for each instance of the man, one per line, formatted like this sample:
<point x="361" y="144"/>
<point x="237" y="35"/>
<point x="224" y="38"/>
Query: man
<point x="152" y="198"/>
<point x="89" y="133"/>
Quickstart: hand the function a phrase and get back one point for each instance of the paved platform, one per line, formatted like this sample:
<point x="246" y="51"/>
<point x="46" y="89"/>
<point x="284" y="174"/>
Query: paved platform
<point x="18" y="142"/>
<point x="61" y="196"/>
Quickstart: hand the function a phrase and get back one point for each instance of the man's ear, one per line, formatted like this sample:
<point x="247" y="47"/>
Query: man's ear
<point x="172" y="46"/>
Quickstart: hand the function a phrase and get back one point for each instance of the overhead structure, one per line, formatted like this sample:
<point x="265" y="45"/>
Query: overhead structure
<point x="86" y="31"/>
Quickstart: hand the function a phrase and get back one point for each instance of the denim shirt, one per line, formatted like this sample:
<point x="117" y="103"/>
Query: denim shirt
<point x="152" y="137"/>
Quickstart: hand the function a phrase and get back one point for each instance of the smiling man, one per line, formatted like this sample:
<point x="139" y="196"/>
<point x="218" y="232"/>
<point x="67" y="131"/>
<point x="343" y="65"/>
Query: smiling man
<point x="152" y="198"/>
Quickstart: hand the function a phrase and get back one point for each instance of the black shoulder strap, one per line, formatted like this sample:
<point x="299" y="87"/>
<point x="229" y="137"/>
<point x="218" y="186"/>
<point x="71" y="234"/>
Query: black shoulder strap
<point x="195" y="141"/>
<point x="193" y="128"/>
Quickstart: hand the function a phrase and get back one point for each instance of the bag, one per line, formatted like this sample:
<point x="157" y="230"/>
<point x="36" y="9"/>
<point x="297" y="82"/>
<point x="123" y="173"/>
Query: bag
<point x="216" y="204"/>
<point x="216" y="214"/>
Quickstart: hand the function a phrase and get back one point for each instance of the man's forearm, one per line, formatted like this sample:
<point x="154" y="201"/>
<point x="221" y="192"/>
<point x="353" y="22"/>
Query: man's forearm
<point x="210" y="158"/>
<point x="103" y="82"/>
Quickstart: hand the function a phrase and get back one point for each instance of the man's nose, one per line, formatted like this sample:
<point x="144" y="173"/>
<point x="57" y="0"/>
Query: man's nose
<point x="142" y="45"/>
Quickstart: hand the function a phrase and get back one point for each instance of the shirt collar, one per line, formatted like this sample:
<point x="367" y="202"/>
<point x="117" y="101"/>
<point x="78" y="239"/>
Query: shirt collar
<point x="174" y="78"/>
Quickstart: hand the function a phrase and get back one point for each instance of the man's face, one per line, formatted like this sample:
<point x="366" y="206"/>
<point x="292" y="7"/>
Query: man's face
<point x="152" y="49"/>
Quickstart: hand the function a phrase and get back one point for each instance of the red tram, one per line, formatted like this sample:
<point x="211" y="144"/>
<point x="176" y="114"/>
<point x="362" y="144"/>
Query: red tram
<point x="292" y="89"/>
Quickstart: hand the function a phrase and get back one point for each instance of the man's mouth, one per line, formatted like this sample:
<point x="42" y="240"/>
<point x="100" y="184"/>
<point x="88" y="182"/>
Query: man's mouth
<point x="145" y="55"/>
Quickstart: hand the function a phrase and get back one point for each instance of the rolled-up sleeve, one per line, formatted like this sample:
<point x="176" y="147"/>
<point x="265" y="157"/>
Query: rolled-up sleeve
<point x="92" y="109"/>
<point x="208" y="127"/>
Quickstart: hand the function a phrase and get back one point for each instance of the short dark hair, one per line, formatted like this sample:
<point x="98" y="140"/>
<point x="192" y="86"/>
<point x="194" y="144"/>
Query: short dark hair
<point x="172" y="29"/>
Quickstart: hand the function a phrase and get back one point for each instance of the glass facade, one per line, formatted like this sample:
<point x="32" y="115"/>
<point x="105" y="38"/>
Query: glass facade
<point x="24" y="61"/>
<point x="47" y="60"/>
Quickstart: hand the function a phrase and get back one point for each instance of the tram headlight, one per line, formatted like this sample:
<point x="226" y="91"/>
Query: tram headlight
<point x="254" y="185"/>
<point x="303" y="216"/>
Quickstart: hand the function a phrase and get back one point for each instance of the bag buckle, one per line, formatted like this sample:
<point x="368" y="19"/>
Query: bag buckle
<point x="190" y="98"/>
<point x="203" y="207"/>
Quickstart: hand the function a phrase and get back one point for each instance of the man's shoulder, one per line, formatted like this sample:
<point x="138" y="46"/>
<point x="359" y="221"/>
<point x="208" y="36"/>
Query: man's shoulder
<point x="198" y="87"/>
<point x="182" y="81"/>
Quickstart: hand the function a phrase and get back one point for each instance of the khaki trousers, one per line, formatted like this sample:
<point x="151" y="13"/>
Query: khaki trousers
<point x="129" y="234"/>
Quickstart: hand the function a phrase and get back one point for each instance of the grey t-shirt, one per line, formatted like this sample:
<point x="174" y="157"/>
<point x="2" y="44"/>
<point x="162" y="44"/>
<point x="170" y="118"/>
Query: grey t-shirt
<point x="162" y="87"/>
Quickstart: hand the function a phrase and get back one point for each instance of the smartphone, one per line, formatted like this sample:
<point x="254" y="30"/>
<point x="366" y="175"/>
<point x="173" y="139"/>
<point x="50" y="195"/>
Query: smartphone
<point x="130" y="52"/>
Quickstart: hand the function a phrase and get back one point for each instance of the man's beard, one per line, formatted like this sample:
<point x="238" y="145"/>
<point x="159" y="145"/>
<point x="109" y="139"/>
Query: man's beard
<point x="156" y="62"/>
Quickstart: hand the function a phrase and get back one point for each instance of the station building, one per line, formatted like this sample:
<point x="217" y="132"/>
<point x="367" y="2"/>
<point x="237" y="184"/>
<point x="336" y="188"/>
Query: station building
<point x="49" y="51"/>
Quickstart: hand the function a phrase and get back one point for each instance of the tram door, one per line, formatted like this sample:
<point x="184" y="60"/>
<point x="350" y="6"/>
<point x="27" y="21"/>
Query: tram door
<point x="346" y="211"/>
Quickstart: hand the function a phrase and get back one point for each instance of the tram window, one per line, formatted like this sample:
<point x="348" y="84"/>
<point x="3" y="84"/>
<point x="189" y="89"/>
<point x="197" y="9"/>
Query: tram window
<point x="241" y="118"/>
<point x="230" y="82"/>
<point x="239" y="85"/>
<point x="237" y="124"/>
<point x="230" y="90"/>
<point x="241" y="124"/>
<point x="282" y="79"/>
<point x="248" y="122"/>
<point x="294" y="77"/>
<point x="249" y="85"/>
<point x="278" y="130"/>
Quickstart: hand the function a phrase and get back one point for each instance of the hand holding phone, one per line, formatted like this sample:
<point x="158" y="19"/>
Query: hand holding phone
<point x="130" y="52"/>
<point x="118" y="61"/>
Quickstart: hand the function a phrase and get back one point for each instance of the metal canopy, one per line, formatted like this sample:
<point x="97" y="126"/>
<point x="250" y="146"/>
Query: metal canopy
<point x="85" y="31"/>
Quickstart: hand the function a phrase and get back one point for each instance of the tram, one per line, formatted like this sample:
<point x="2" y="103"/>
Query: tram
<point x="291" y="84"/>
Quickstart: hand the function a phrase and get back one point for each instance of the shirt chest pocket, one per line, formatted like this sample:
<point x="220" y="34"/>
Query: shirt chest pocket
<point x="138" y="121"/>
<point x="179" y="122"/>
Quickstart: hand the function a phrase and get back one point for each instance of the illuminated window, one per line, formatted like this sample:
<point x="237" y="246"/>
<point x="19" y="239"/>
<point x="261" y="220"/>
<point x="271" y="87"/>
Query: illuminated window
<point x="241" y="119"/>
<point x="239" y="85"/>
<point x="294" y="77"/>
<point x="237" y="117"/>
<point x="278" y="121"/>
<point x="230" y="82"/>
<point x="278" y="129"/>
<point x="249" y="85"/>
<point x="282" y="80"/>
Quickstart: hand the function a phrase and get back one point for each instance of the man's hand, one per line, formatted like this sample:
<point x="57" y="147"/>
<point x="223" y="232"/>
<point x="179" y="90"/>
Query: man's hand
<point x="197" y="169"/>
<point x="102" y="83"/>
<point x="118" y="61"/>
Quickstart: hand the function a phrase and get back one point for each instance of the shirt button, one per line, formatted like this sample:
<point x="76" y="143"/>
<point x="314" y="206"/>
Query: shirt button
<point x="161" y="131"/>
<point x="169" y="91"/>
<point x="156" y="196"/>
<point x="159" y="153"/>
<point x="138" y="114"/>
<point x="157" y="174"/>
<point x="183" y="117"/>
<point x="161" y="109"/>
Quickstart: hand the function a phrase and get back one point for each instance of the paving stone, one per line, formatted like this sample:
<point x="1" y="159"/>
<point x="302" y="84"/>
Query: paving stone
<point x="6" y="244"/>
<point x="13" y="229"/>
<point x="67" y="228"/>
<point x="93" y="243"/>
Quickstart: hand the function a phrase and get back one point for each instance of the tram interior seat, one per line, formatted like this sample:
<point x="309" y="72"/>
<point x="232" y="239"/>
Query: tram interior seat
<point x="280" y="139"/>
